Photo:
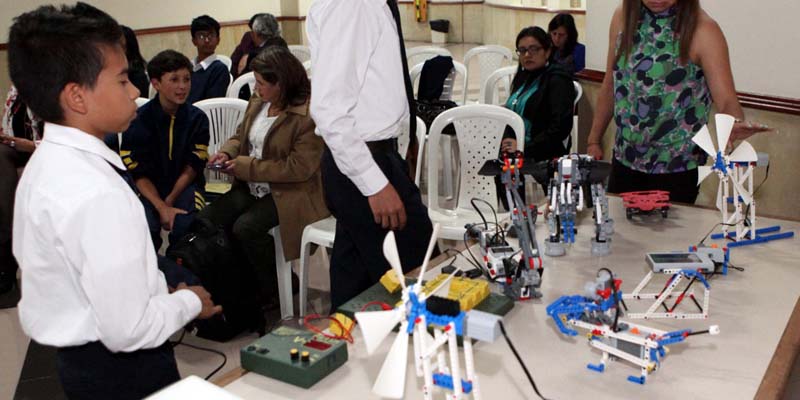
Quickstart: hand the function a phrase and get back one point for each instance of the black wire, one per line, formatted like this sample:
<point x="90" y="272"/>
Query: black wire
<point x="224" y="357"/>
<point x="747" y="209"/>
<point x="486" y="224"/>
<point x="496" y="221"/>
<point x="519" y="359"/>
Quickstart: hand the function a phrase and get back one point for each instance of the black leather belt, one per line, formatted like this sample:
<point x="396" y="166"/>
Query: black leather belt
<point x="383" y="146"/>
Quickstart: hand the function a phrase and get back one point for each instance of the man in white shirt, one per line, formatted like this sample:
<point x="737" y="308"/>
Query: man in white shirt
<point x="91" y="284"/>
<point x="360" y="104"/>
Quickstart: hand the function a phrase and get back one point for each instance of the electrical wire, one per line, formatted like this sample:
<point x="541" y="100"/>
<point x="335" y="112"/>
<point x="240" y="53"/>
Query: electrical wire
<point x="519" y="359"/>
<point x="496" y="221"/>
<point x="224" y="357"/>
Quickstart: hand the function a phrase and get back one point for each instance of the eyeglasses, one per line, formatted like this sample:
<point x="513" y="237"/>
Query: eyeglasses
<point x="528" y="50"/>
<point x="206" y="36"/>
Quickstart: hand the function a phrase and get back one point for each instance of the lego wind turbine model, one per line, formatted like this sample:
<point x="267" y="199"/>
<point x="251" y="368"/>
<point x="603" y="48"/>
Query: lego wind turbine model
<point x="728" y="167"/>
<point x="417" y="311"/>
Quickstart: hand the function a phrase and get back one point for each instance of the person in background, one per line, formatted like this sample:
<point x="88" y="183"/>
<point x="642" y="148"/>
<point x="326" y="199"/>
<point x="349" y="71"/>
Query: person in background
<point x="275" y="158"/>
<point x="266" y="32"/>
<point x="566" y="49"/>
<point x="92" y="287"/>
<point x="19" y="132"/>
<point x="210" y="77"/>
<point x="542" y="93"/>
<point x="137" y="66"/>
<point x="667" y="60"/>
<point x="245" y="46"/>
<point x="166" y="149"/>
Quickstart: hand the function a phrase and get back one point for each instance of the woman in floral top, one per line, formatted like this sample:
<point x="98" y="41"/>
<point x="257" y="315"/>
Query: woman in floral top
<point x="667" y="60"/>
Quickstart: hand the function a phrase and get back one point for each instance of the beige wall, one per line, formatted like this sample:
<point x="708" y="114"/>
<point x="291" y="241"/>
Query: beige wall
<point x="500" y="25"/>
<point x="762" y="40"/>
<point x="464" y="19"/>
<point x="140" y="14"/>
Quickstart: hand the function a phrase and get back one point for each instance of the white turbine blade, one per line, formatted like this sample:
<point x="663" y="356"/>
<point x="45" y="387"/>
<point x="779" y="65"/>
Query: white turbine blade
<point x="702" y="173"/>
<point x="703" y="139"/>
<point x="720" y="200"/>
<point x="744" y="153"/>
<point x="391" y="380"/>
<point x="428" y="253"/>
<point x="746" y="198"/>
<point x="391" y="254"/>
<point x="724" y="127"/>
<point x="376" y="325"/>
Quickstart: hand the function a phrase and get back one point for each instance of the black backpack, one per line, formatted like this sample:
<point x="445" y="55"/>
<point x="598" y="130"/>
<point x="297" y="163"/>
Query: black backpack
<point x="228" y="277"/>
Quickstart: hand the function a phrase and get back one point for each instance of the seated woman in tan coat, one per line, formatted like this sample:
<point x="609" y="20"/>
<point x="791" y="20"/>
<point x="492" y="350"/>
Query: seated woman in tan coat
<point x="275" y="158"/>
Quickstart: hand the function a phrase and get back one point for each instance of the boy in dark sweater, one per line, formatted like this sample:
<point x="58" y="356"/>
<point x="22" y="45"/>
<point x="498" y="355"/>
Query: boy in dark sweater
<point x="166" y="149"/>
<point x="210" y="77"/>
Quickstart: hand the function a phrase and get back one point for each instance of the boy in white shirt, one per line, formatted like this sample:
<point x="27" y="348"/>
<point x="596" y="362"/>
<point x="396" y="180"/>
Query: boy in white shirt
<point x="90" y="282"/>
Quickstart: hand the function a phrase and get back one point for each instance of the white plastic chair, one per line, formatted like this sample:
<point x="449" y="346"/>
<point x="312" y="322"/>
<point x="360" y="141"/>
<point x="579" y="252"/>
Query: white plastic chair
<point x="574" y="133"/>
<point x="404" y="140"/>
<point x="416" y="55"/>
<point x="459" y="74"/>
<point x="489" y="59"/>
<point x="224" y="116"/>
<point x="303" y="53"/>
<point x="246" y="79"/>
<point x="151" y="93"/>
<point x="307" y="66"/>
<point x="284" y="270"/>
<point x="501" y="78"/>
<point x="225" y="60"/>
<point x="140" y="101"/>
<point x="322" y="233"/>
<point x="479" y="130"/>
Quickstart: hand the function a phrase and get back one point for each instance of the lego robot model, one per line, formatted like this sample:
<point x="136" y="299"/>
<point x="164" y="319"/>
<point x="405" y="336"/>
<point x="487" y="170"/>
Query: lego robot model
<point x="598" y="313"/>
<point x="735" y="190"/>
<point x="416" y="312"/>
<point x="691" y="266"/>
<point x="572" y="174"/>
<point x="520" y="278"/>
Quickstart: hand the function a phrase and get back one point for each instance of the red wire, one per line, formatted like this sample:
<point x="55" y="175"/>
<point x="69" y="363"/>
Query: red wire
<point x="345" y="336"/>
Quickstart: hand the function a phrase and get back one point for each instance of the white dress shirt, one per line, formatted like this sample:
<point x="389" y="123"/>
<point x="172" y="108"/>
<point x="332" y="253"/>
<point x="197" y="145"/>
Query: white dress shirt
<point x="89" y="269"/>
<point x="203" y="64"/>
<point x="256" y="138"/>
<point x="358" y="91"/>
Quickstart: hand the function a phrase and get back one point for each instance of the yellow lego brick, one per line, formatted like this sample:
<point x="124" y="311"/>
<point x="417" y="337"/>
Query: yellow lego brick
<point x="390" y="282"/>
<point x="468" y="292"/>
<point x="346" y="322"/>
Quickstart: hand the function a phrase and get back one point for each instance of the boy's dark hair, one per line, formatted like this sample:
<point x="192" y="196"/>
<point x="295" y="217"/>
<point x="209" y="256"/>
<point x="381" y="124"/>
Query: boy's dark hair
<point x="132" y="51"/>
<point x="276" y="64"/>
<point x="167" y="61"/>
<point x="51" y="47"/>
<point x="204" y="23"/>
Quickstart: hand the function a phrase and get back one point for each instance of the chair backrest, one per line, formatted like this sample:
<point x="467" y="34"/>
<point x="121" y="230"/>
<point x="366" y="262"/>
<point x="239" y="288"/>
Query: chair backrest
<point x="307" y="66"/>
<point x="140" y="101"/>
<point x="151" y="92"/>
<point x="303" y="53"/>
<point x="459" y="74"/>
<point x="224" y="116"/>
<point x="404" y="139"/>
<point x="479" y="130"/>
<point x="225" y="60"/>
<point x="246" y="79"/>
<point x="501" y="78"/>
<point x="416" y="55"/>
<point x="489" y="58"/>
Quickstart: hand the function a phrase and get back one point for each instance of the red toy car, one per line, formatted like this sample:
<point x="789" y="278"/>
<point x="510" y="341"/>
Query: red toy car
<point x="645" y="202"/>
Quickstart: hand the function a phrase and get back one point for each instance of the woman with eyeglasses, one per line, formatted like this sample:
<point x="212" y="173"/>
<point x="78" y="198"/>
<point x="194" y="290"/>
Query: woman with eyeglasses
<point x="542" y="94"/>
<point x="567" y="51"/>
<point x="667" y="60"/>
<point x="275" y="160"/>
